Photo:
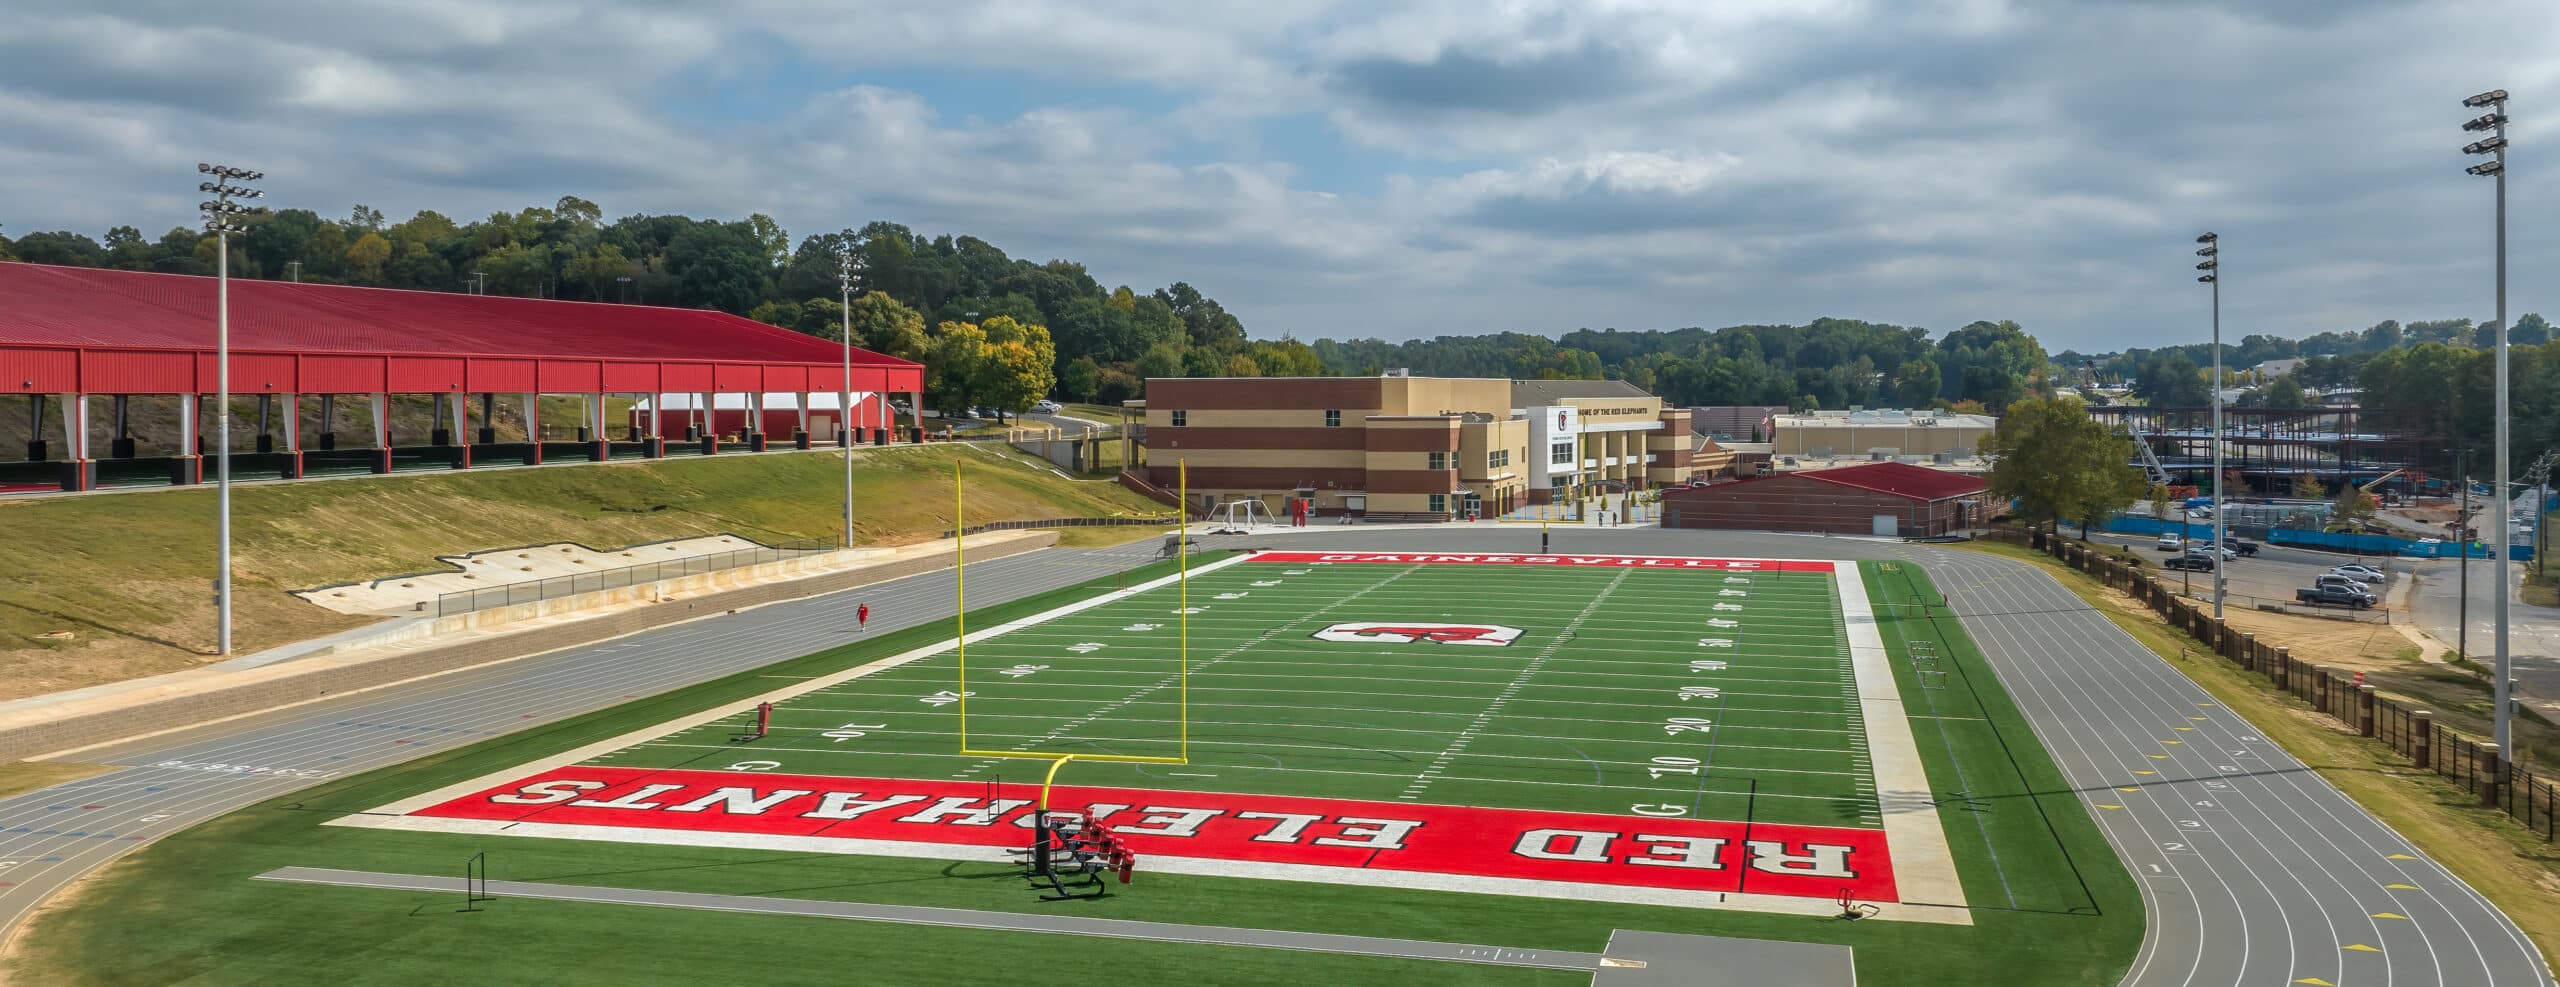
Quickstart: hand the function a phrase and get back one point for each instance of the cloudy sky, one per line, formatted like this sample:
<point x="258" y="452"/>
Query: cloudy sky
<point x="1391" y="169"/>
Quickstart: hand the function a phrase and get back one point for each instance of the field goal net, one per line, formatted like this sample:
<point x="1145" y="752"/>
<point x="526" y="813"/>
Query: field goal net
<point x="1241" y="516"/>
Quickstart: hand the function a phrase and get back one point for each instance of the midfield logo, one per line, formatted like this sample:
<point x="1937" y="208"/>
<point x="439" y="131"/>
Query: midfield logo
<point x="1390" y="632"/>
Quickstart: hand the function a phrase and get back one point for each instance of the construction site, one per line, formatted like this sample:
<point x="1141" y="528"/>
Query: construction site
<point x="2283" y="451"/>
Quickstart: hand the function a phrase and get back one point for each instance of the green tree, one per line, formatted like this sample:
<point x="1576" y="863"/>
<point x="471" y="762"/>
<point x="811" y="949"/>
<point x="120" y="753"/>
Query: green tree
<point x="1161" y="360"/>
<point x="127" y="250"/>
<point x="61" y="247"/>
<point x="1916" y="383"/>
<point x="1093" y="328"/>
<point x="2286" y="392"/>
<point x="2168" y="379"/>
<point x="885" y="325"/>
<point x="952" y="373"/>
<point x="1017" y="366"/>
<point x="367" y="256"/>
<point x="718" y="266"/>
<point x="1080" y="380"/>
<point x="2530" y="330"/>
<point x="599" y="272"/>
<point x="1204" y="321"/>
<point x="2055" y="462"/>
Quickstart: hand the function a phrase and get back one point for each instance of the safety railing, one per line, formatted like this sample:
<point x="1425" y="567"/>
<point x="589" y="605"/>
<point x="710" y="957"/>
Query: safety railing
<point x="555" y="587"/>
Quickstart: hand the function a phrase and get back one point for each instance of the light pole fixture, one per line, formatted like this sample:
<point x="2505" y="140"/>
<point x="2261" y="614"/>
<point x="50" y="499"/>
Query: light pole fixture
<point x="848" y="267"/>
<point x="223" y="219"/>
<point x="2212" y="276"/>
<point x="2495" y="146"/>
<point x="622" y="289"/>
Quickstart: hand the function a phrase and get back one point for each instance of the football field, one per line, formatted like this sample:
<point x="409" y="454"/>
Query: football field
<point x="1682" y="731"/>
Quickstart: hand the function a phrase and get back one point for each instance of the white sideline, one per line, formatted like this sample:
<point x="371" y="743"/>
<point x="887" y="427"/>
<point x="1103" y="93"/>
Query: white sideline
<point x="778" y="696"/>
<point x="1923" y="868"/>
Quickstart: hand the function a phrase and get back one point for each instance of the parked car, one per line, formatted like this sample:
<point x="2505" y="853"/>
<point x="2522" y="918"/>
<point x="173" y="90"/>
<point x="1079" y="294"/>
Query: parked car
<point x="2201" y="514"/>
<point x="2334" y="596"/>
<point x="2342" y="582"/>
<point x="2171" y="543"/>
<point x="2245" y="548"/>
<point x="2360" y="573"/>
<point x="1047" y="407"/>
<point x="2205" y="548"/>
<point x="2197" y="563"/>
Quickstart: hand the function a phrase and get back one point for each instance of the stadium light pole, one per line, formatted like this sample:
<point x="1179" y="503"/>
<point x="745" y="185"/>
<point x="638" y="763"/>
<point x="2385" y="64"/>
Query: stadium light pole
<point x="2212" y="276"/>
<point x="2495" y="145"/>
<point x="847" y="268"/>
<point x="222" y="219"/>
<point x="622" y="289"/>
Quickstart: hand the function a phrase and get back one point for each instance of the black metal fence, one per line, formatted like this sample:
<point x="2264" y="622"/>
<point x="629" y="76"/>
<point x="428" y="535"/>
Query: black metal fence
<point x="537" y="590"/>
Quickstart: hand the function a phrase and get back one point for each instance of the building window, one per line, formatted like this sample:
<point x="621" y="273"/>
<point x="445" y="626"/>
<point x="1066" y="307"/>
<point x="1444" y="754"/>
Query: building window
<point x="1439" y="503"/>
<point x="1333" y="418"/>
<point x="1559" y="454"/>
<point x="1439" y="461"/>
<point x="1497" y="459"/>
<point x="1180" y="419"/>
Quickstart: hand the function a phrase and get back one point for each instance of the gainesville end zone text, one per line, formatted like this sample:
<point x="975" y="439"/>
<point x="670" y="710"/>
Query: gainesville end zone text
<point x="1649" y="851"/>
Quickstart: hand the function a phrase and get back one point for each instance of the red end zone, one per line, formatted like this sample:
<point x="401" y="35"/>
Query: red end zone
<point x="1572" y="561"/>
<point x="1590" y="848"/>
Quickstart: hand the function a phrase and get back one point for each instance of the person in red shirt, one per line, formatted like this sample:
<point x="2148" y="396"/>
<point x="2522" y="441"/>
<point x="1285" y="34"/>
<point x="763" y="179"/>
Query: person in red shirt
<point x="862" y="617"/>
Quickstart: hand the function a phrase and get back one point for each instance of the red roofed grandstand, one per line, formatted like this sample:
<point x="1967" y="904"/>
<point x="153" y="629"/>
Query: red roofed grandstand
<point x="75" y="335"/>
<point x="1887" y="498"/>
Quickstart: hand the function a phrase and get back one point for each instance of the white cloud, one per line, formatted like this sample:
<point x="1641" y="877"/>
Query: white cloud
<point x="1523" y="164"/>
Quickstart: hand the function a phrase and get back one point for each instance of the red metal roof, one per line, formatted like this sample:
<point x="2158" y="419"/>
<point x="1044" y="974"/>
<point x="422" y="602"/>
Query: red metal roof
<point x="45" y="305"/>
<point x="1900" y="480"/>
<point x="1890" y="478"/>
<point x="91" y="321"/>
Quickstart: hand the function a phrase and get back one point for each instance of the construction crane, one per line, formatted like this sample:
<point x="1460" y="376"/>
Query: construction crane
<point x="2151" y="462"/>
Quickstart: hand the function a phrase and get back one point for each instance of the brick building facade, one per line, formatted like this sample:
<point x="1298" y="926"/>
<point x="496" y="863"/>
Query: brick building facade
<point x="1893" y="499"/>
<point x="1433" y="448"/>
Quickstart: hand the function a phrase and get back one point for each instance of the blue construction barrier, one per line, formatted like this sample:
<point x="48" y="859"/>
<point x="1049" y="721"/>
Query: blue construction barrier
<point x="2387" y="545"/>
<point x="2125" y="524"/>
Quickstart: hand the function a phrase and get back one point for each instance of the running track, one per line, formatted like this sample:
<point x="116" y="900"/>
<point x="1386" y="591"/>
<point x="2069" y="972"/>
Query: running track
<point x="2252" y="868"/>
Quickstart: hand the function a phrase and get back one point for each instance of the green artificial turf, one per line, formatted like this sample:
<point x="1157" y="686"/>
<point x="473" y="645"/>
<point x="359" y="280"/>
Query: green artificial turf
<point x="2050" y="904"/>
<point x="1591" y="694"/>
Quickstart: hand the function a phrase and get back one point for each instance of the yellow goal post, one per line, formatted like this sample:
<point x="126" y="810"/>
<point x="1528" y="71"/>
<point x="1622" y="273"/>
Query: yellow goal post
<point x="960" y="646"/>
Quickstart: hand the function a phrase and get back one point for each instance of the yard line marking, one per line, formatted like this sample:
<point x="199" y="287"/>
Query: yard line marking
<point x="1169" y="681"/>
<point x="1468" y="735"/>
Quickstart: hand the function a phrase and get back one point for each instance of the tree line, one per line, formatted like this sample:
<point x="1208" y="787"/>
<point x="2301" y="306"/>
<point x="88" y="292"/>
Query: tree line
<point x="1004" y="331"/>
<point x="1827" y="363"/>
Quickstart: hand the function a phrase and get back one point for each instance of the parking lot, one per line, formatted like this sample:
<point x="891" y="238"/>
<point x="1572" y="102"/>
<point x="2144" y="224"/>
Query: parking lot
<point x="2272" y="576"/>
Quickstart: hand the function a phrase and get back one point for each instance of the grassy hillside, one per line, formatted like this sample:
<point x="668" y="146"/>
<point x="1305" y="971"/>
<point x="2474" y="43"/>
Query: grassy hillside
<point x="130" y="575"/>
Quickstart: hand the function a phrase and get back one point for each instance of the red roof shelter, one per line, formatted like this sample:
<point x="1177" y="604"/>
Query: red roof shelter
<point x="1887" y="498"/>
<point x="76" y="332"/>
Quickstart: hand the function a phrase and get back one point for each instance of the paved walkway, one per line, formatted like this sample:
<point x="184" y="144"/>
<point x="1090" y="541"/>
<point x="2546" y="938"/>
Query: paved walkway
<point x="964" y="918"/>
